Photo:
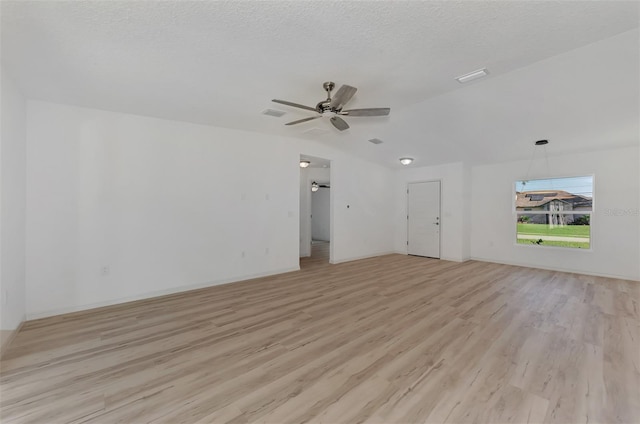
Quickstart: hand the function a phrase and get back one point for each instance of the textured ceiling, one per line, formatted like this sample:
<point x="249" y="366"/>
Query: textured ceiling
<point x="220" y="63"/>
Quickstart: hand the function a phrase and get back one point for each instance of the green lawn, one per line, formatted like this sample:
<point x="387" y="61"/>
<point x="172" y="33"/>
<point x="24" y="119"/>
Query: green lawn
<point x="574" y="244"/>
<point x="565" y="231"/>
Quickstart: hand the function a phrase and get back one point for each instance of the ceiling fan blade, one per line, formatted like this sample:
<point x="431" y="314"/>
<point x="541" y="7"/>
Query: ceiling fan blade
<point x="284" y="102"/>
<point x="299" y="121"/>
<point x="375" y="111"/>
<point x="339" y="123"/>
<point x="343" y="95"/>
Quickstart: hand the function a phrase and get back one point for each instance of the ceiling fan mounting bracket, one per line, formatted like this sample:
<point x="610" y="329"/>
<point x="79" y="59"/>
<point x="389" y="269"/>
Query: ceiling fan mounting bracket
<point x="329" y="86"/>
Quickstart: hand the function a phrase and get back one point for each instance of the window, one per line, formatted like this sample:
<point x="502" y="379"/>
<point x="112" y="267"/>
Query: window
<point x="554" y="212"/>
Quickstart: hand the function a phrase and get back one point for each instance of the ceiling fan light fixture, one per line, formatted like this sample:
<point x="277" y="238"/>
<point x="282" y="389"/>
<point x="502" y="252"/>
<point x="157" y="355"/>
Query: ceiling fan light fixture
<point x="304" y="164"/>
<point x="406" y="161"/>
<point x="472" y="75"/>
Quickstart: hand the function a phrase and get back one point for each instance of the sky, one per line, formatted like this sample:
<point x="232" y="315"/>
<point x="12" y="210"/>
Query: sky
<point x="575" y="185"/>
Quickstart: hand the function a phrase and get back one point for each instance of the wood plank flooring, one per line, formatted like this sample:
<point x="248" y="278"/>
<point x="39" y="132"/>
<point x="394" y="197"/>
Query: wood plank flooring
<point x="319" y="255"/>
<point x="394" y="339"/>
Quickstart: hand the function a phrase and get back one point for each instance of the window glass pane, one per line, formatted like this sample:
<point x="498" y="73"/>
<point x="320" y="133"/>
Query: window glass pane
<point x="555" y="229"/>
<point x="555" y="195"/>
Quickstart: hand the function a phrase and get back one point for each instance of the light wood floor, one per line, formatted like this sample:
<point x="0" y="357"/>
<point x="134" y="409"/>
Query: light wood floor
<point x="390" y="339"/>
<point x="319" y="255"/>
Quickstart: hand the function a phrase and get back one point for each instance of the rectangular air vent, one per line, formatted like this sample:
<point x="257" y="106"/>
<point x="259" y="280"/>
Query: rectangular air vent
<point x="376" y="141"/>
<point x="472" y="75"/>
<point x="273" y="112"/>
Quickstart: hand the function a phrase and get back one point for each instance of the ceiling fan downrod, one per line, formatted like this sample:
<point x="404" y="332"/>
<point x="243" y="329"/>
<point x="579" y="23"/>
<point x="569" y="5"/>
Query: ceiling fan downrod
<point x="325" y="106"/>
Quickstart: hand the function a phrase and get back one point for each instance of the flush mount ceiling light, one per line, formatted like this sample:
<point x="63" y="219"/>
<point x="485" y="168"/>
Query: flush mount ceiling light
<point x="406" y="161"/>
<point x="304" y="164"/>
<point x="472" y="75"/>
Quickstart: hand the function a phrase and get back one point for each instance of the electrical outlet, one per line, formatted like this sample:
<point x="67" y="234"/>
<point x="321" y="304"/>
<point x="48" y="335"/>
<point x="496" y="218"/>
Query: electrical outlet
<point x="105" y="270"/>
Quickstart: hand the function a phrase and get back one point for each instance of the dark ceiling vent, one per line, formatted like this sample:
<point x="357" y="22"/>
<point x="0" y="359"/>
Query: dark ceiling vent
<point x="273" y="112"/>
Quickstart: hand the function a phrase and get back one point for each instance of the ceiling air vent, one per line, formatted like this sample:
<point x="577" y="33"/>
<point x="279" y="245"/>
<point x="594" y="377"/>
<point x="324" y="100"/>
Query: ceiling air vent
<point x="273" y="112"/>
<point x="376" y="141"/>
<point x="472" y="75"/>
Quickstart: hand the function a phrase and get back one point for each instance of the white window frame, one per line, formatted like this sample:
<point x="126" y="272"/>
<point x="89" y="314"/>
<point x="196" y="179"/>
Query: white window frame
<point x="591" y="214"/>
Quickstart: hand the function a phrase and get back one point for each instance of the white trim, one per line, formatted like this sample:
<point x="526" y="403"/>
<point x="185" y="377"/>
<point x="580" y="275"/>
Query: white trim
<point x="6" y="341"/>
<point x="357" y="258"/>
<point x="590" y="212"/>
<point x="153" y="294"/>
<point x="573" y="271"/>
<point x="452" y="259"/>
<point x="444" y="258"/>
<point x="332" y="208"/>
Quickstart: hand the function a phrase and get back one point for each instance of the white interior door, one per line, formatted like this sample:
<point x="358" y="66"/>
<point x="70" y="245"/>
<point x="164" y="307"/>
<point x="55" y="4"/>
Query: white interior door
<point x="423" y="219"/>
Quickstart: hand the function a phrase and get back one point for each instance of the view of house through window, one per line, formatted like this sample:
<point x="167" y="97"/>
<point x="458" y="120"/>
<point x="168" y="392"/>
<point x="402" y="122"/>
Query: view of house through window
<point x="554" y="212"/>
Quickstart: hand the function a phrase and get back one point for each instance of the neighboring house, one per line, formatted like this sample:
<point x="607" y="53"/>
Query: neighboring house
<point x="558" y="201"/>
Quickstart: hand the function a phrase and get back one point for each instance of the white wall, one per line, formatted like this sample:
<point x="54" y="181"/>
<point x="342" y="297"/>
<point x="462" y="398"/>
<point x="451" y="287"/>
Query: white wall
<point x="320" y="210"/>
<point x="454" y="225"/>
<point x="361" y="209"/>
<point x="615" y="235"/>
<point x="12" y="205"/>
<point x="122" y="207"/>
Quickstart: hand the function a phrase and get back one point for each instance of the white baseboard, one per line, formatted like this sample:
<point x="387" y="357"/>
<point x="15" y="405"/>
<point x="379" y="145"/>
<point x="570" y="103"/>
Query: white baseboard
<point x="446" y="258"/>
<point x="573" y="271"/>
<point x="442" y="258"/>
<point x="148" y="295"/>
<point x="357" y="258"/>
<point x="7" y="336"/>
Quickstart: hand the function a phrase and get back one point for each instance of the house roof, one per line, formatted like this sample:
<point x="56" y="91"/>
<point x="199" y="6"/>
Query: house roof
<point x="537" y="198"/>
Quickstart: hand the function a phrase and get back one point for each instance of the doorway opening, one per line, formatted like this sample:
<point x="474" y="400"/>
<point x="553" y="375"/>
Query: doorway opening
<point x="315" y="212"/>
